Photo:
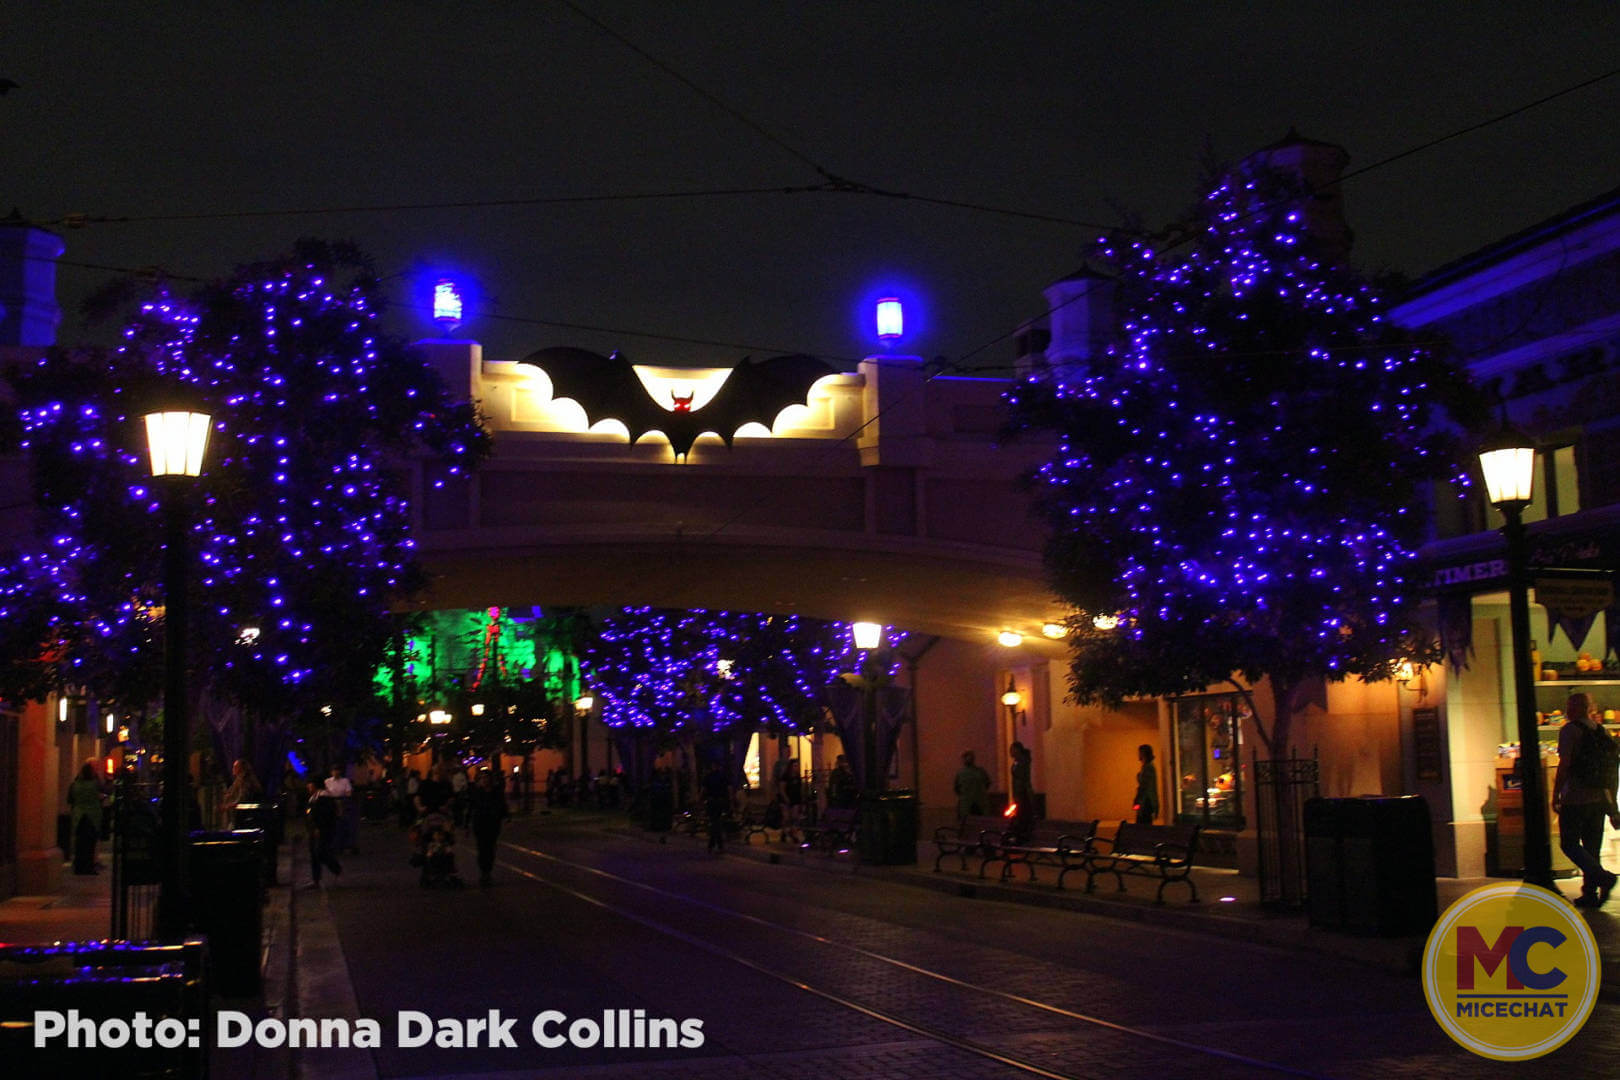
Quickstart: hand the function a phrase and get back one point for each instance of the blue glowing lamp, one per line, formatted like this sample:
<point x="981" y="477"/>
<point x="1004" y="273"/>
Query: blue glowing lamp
<point x="890" y="320"/>
<point x="447" y="304"/>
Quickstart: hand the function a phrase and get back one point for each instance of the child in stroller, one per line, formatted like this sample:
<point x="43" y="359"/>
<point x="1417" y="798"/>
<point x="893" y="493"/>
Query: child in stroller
<point x="436" y="850"/>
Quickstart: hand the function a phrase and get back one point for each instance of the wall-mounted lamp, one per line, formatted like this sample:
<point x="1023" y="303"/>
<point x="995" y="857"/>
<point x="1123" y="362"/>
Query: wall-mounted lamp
<point x="1105" y="622"/>
<point x="1054" y="630"/>
<point x="1012" y="699"/>
<point x="1408" y="673"/>
<point x="1010" y="638"/>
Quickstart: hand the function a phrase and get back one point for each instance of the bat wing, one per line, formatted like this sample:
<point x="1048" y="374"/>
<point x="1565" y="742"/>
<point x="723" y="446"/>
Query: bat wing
<point x="606" y="387"/>
<point x="758" y="390"/>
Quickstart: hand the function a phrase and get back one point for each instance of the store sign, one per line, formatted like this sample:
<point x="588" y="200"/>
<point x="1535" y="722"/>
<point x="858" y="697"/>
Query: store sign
<point x="1470" y="573"/>
<point x="1575" y="598"/>
<point x="1511" y="971"/>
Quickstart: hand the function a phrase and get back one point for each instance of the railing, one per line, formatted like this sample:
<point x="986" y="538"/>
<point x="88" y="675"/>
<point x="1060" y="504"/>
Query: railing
<point x="1281" y="787"/>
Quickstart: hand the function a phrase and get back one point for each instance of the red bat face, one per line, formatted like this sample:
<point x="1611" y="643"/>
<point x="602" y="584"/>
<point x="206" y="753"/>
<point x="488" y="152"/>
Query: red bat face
<point x="682" y="404"/>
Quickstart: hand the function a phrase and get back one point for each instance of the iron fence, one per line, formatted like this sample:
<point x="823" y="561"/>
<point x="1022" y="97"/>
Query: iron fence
<point x="1281" y="787"/>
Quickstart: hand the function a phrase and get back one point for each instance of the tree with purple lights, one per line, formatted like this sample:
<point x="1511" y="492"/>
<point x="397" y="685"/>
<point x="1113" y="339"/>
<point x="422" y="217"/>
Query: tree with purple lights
<point x="710" y="672"/>
<point x="300" y="524"/>
<point x="1243" y="473"/>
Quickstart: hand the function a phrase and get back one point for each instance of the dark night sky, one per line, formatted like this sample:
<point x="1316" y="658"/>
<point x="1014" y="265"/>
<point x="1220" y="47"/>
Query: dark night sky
<point x="1061" y="108"/>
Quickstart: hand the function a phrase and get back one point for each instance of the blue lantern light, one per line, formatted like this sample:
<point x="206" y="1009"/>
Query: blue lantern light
<point x="447" y="304"/>
<point x="890" y="319"/>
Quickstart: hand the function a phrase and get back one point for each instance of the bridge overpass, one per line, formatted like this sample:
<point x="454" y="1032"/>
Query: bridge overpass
<point x="885" y="494"/>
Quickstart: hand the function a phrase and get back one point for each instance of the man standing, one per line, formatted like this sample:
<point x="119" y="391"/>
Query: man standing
<point x="1583" y="795"/>
<point x="340" y="789"/>
<point x="1023" y="790"/>
<point x="972" y="787"/>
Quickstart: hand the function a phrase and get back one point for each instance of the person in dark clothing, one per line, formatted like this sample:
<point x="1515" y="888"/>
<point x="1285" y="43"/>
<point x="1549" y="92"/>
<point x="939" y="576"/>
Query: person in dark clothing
<point x="1023" y="790"/>
<point x="1147" y="787"/>
<point x="717" y="801"/>
<point x="434" y="793"/>
<point x="486" y="805"/>
<point x="842" y="791"/>
<point x="321" y="819"/>
<point x="85" y="802"/>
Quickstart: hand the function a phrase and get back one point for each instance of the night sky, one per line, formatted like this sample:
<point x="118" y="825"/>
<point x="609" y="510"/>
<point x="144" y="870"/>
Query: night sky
<point x="1078" y="111"/>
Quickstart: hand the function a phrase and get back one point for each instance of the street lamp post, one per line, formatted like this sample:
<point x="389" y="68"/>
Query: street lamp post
<point x="1508" y="462"/>
<point x="176" y="442"/>
<point x="868" y="639"/>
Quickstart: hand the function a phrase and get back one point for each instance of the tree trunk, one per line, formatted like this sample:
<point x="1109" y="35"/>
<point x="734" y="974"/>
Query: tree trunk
<point x="1285" y="796"/>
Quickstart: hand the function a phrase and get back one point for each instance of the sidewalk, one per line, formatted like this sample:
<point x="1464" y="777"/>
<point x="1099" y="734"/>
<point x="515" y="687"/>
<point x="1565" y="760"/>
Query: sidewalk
<point x="81" y="910"/>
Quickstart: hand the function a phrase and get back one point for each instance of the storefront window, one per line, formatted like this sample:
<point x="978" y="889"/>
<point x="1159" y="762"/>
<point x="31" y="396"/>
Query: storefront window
<point x="1209" y="741"/>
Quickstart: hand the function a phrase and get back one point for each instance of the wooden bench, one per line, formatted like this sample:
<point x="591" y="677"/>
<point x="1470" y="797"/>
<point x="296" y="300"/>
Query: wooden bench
<point x="1165" y="852"/>
<point x="1063" y="844"/>
<point x="974" y="835"/>
<point x="832" y="832"/>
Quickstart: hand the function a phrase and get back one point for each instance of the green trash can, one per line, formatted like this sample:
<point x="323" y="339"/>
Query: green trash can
<point x="886" y="831"/>
<point x="226" y="877"/>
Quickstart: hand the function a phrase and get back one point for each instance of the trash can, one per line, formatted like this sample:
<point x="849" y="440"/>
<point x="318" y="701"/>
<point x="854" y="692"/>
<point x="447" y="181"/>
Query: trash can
<point x="886" y="831"/>
<point x="1372" y="858"/>
<point x="226" y="876"/>
<point x="265" y="817"/>
<point x="1324" y="863"/>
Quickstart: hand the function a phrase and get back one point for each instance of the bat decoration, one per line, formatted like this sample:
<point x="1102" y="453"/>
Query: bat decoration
<point x="608" y="387"/>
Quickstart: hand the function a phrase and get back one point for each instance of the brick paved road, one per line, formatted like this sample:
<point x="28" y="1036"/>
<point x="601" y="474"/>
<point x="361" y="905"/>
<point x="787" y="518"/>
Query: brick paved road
<point x="538" y="942"/>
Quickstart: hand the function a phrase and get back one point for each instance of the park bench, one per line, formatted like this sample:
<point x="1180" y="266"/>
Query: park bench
<point x="974" y="835"/>
<point x="751" y="822"/>
<point x="1165" y="852"/>
<point x="832" y="833"/>
<point x="1062" y="844"/>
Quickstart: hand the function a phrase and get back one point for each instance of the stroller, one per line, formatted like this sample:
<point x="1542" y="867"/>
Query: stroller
<point x="436" y="850"/>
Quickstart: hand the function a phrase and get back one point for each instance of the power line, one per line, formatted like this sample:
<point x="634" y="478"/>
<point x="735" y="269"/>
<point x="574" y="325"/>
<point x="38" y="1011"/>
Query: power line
<point x="73" y="221"/>
<point x="713" y="99"/>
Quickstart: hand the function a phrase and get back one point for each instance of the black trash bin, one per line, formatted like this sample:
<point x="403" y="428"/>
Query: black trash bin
<point x="1324" y="863"/>
<point x="886" y="831"/>
<point x="1372" y="858"/>
<point x="265" y="817"/>
<point x="226" y="886"/>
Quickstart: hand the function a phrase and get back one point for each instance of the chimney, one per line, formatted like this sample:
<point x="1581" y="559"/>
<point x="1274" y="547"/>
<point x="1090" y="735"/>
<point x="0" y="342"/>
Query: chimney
<point x="1318" y="165"/>
<point x="1080" y="318"/>
<point x="28" y="311"/>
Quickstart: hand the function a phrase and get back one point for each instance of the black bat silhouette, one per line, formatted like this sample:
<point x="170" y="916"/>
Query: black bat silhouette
<point x="607" y="386"/>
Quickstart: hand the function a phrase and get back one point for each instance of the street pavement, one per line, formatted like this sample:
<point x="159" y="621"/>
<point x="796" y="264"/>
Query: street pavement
<point x="807" y="967"/>
<point x="801" y="965"/>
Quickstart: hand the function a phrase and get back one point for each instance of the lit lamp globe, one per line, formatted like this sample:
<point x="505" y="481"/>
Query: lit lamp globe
<point x="176" y="441"/>
<point x="1508" y="461"/>
<point x="584" y="703"/>
<point x="867" y="635"/>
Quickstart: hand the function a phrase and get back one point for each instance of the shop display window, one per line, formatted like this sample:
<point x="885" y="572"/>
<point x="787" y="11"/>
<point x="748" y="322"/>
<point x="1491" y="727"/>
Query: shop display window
<point x="1209" y="744"/>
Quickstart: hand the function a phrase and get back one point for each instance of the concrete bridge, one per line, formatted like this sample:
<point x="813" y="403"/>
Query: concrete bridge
<point x="885" y="495"/>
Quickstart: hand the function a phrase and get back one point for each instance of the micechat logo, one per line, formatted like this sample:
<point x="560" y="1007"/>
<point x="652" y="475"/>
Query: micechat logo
<point x="1511" y="971"/>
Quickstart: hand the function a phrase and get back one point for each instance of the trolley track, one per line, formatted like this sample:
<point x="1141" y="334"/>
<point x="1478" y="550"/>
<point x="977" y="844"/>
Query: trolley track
<point x="1002" y="999"/>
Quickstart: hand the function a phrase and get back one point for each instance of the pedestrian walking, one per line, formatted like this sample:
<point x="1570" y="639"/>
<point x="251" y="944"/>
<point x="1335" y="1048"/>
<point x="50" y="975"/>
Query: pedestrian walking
<point x="1147" y="787"/>
<point x="84" y="798"/>
<point x="717" y="801"/>
<point x="1022" y="790"/>
<point x="320" y="826"/>
<point x="340" y="789"/>
<point x="1583" y="795"/>
<point x="972" y="787"/>
<point x="487" y="809"/>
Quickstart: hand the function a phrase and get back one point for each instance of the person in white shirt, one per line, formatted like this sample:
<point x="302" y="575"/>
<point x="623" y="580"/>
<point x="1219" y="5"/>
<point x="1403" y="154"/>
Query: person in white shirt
<point x="348" y="835"/>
